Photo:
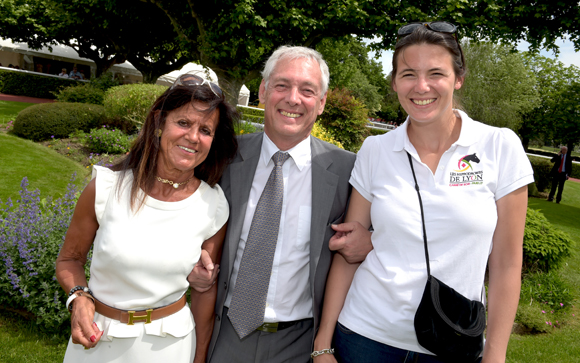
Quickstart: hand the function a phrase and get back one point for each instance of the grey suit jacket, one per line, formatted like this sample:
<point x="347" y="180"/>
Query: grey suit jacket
<point x="331" y="168"/>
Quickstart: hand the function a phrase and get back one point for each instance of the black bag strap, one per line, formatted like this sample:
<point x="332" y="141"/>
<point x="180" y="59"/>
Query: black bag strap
<point x="422" y="215"/>
<point x="423" y="222"/>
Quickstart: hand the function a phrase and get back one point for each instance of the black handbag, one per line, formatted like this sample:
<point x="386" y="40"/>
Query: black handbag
<point x="447" y="323"/>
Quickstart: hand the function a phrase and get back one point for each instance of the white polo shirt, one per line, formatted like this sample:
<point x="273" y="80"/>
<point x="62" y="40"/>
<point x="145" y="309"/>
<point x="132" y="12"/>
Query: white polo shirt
<point x="485" y="164"/>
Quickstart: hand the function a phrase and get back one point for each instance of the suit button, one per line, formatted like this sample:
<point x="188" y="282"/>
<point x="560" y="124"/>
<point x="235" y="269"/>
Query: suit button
<point x="225" y="285"/>
<point x="217" y="317"/>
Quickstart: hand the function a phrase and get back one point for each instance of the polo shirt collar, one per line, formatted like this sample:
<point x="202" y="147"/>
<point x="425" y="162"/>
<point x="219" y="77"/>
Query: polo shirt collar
<point x="300" y="153"/>
<point x="468" y="135"/>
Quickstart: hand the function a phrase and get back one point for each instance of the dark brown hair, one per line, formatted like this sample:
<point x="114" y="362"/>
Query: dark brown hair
<point x="423" y="35"/>
<point x="142" y="158"/>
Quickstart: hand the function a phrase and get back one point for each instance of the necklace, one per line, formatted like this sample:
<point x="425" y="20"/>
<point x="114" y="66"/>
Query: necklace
<point x="174" y="184"/>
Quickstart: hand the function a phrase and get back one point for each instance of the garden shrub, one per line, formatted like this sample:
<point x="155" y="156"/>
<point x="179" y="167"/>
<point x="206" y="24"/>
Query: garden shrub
<point x="544" y="300"/>
<point x="31" y="234"/>
<point x="106" y="140"/>
<point x="31" y="85"/>
<point x="255" y="115"/>
<point x="41" y="121"/>
<point x="545" y="246"/>
<point x="83" y="93"/>
<point x="542" y="168"/>
<point x="242" y="127"/>
<point x="320" y="132"/>
<point x="375" y="132"/>
<point x="345" y="119"/>
<point x="129" y="104"/>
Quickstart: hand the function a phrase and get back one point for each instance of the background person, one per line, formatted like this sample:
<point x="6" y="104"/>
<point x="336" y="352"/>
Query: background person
<point x="63" y="73"/>
<point x="147" y="220"/>
<point x="75" y="74"/>
<point x="469" y="224"/>
<point x="560" y="173"/>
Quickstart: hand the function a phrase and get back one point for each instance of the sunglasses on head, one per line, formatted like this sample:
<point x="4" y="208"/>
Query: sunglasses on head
<point x="195" y="80"/>
<point x="436" y="26"/>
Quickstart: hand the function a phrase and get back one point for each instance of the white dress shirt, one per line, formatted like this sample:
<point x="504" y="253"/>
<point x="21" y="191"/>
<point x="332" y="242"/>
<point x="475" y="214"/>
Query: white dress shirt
<point x="289" y="295"/>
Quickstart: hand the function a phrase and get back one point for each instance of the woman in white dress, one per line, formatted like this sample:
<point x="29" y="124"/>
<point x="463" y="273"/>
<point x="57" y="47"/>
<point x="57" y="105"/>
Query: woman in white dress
<point x="147" y="219"/>
<point x="473" y="183"/>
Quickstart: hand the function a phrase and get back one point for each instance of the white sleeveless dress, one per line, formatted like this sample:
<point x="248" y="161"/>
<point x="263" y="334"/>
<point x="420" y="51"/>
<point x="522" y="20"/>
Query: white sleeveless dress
<point x="142" y="260"/>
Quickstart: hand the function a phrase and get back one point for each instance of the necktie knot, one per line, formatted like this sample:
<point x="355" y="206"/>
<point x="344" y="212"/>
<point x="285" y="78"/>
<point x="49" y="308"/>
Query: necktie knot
<point x="280" y="157"/>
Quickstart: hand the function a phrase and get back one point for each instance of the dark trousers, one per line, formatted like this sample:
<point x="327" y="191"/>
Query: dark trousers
<point x="557" y="182"/>
<point x="290" y="345"/>
<point x="351" y="347"/>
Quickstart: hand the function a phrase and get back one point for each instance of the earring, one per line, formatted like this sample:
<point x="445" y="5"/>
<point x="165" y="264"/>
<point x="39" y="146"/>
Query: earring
<point x="159" y="132"/>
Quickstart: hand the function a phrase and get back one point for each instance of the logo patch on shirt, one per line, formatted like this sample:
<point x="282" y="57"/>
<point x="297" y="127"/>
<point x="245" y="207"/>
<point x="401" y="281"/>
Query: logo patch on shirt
<point x="465" y="174"/>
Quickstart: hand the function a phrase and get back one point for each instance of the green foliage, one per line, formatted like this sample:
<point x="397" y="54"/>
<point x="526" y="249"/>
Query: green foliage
<point x="105" y="140"/>
<point x="320" y="132"/>
<point x="552" y="117"/>
<point x="129" y="104"/>
<point x="249" y="114"/>
<point x="105" y="81"/>
<point x="351" y="68"/>
<point x="545" y="246"/>
<point x="542" y="168"/>
<point x="545" y="298"/>
<point x="31" y="85"/>
<point x="375" y="132"/>
<point x="58" y="120"/>
<point x="82" y="93"/>
<point x="345" y="119"/>
<point x="499" y="87"/>
<point x="244" y="128"/>
<point x="31" y="233"/>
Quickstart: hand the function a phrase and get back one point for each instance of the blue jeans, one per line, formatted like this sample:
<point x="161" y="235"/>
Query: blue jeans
<point x="352" y="347"/>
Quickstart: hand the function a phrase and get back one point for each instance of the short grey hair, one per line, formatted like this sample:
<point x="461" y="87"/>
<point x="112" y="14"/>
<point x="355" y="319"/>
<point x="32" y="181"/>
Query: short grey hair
<point x="287" y="52"/>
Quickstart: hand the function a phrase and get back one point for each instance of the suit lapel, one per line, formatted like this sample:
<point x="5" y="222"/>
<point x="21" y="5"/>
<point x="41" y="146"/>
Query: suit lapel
<point x="324" y="184"/>
<point x="241" y="178"/>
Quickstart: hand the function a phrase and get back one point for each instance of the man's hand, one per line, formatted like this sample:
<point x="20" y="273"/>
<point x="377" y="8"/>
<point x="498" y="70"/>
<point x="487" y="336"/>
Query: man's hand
<point x="204" y="273"/>
<point x="352" y="241"/>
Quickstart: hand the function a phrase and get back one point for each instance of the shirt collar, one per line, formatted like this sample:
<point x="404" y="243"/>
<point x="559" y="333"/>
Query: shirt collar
<point x="468" y="135"/>
<point x="300" y="153"/>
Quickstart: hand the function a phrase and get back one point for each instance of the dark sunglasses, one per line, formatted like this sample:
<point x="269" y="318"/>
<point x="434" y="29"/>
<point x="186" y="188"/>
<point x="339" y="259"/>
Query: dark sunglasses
<point x="436" y="26"/>
<point x="195" y="80"/>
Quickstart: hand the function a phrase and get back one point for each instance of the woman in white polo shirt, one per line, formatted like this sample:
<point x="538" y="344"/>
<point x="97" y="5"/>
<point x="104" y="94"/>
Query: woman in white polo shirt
<point x="473" y="180"/>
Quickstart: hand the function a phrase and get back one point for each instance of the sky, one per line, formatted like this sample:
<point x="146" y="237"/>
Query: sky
<point x="566" y="56"/>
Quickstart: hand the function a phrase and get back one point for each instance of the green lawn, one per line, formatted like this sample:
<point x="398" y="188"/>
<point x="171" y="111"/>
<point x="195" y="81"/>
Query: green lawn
<point x="562" y="345"/>
<point x="9" y="110"/>
<point x="45" y="169"/>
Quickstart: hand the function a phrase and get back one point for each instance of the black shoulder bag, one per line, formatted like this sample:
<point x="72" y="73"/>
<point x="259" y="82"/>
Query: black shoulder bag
<point x="446" y="322"/>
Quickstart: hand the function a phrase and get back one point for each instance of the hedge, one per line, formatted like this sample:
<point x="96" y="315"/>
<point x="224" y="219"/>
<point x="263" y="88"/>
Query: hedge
<point x="127" y="106"/>
<point x="58" y="120"/>
<point x="31" y="85"/>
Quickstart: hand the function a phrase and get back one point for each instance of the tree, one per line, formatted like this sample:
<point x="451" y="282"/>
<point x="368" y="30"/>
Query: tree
<point x="108" y="32"/>
<point x="235" y="37"/>
<point x="498" y="88"/>
<point x="554" y="82"/>
<point x="567" y="116"/>
<point x="352" y="68"/>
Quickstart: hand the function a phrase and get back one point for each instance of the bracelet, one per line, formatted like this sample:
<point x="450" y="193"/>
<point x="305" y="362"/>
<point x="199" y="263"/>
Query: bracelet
<point x="77" y="288"/>
<point x="74" y="296"/>
<point x="316" y="353"/>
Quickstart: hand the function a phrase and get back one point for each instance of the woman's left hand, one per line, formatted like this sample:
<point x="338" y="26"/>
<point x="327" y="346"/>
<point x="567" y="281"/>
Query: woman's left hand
<point x="204" y="274"/>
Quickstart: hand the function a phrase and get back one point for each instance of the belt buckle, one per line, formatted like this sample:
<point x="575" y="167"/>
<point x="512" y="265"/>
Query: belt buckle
<point x="139" y="318"/>
<point x="268" y="327"/>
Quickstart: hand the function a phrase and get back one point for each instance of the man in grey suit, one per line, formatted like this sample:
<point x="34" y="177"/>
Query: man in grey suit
<point x="315" y="195"/>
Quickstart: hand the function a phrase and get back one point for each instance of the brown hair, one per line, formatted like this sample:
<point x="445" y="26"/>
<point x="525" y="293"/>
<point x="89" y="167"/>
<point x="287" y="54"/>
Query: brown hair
<point x="142" y="158"/>
<point x="423" y="35"/>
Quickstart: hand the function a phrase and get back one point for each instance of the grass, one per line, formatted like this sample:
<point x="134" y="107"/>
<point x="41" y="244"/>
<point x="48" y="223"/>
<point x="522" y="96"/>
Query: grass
<point x="45" y="169"/>
<point x="21" y="342"/>
<point x="563" y="344"/>
<point x="9" y="110"/>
